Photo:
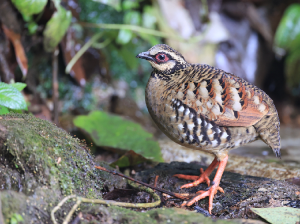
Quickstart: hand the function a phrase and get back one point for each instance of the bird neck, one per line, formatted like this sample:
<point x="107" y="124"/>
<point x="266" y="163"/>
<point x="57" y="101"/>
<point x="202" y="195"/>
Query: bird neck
<point x="176" y="71"/>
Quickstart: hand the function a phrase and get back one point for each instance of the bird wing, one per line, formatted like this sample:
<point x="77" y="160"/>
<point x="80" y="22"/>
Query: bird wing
<point x="225" y="99"/>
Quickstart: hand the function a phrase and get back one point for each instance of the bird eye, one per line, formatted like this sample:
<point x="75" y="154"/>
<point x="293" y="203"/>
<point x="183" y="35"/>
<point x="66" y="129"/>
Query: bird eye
<point x="161" y="57"/>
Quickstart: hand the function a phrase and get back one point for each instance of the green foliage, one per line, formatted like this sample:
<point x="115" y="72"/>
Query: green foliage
<point x="278" y="215"/>
<point x="11" y="98"/>
<point x="93" y="12"/>
<point x="125" y="44"/>
<point x="3" y="110"/>
<point x="124" y="36"/>
<point x="289" y="28"/>
<point x="16" y="218"/>
<point x="19" y="85"/>
<point x="114" y="131"/>
<point x="29" y="7"/>
<point x="32" y="27"/>
<point x="56" y="28"/>
<point x="129" y="57"/>
<point x="129" y="4"/>
<point x="116" y="4"/>
<point x="84" y="101"/>
<point x="133" y="16"/>
<point x="287" y="37"/>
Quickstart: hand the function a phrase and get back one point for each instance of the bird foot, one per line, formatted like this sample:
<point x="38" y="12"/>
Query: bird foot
<point x="202" y="194"/>
<point x="198" y="180"/>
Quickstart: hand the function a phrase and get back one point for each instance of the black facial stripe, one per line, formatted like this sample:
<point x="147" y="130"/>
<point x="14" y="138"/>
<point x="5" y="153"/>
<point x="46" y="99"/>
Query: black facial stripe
<point x="171" y="72"/>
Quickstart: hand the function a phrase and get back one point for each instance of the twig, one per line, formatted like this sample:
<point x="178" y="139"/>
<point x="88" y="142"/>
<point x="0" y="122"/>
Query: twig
<point x="82" y="50"/>
<point x="155" y="181"/>
<point x="69" y="216"/>
<point x="59" y="205"/>
<point x="126" y="204"/>
<point x="55" y="85"/>
<point x="138" y="29"/>
<point x="142" y="183"/>
<point x="101" y="45"/>
<point x="107" y="202"/>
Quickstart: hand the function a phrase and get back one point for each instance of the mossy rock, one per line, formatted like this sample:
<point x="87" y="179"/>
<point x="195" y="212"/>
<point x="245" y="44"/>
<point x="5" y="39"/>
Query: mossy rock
<point x="42" y="163"/>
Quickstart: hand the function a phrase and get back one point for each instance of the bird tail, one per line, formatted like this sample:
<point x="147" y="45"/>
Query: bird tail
<point x="268" y="129"/>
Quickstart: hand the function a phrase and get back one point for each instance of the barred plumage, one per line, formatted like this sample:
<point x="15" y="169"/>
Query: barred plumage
<point x="208" y="109"/>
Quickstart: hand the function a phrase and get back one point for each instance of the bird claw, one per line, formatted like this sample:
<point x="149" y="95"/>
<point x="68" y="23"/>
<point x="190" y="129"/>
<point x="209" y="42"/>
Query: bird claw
<point x="204" y="177"/>
<point x="218" y="189"/>
<point x="183" y="204"/>
<point x="202" y="194"/>
<point x="198" y="180"/>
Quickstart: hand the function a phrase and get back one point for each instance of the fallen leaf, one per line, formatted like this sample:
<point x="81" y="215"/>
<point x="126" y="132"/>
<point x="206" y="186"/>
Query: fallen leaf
<point x="279" y="215"/>
<point x="15" y="39"/>
<point x="116" y="132"/>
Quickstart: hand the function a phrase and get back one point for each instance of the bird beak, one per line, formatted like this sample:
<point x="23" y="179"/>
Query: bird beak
<point x="145" y="55"/>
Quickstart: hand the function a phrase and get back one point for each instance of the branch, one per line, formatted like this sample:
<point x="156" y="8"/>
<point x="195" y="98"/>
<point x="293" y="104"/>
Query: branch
<point x="79" y="200"/>
<point x="82" y="50"/>
<point x="142" y="183"/>
<point x="138" y="29"/>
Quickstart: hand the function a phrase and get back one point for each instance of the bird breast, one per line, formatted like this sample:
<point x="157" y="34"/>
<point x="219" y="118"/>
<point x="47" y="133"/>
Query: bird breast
<point x="180" y="122"/>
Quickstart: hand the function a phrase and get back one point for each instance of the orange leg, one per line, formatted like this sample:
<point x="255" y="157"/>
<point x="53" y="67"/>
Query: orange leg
<point x="213" y="189"/>
<point x="203" y="176"/>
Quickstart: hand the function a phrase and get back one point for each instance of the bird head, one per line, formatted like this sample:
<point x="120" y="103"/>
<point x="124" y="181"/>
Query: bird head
<point x="164" y="59"/>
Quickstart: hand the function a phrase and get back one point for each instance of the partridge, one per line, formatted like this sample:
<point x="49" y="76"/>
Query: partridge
<point x="207" y="109"/>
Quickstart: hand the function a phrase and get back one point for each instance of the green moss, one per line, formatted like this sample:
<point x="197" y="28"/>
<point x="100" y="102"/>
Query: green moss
<point x="37" y="145"/>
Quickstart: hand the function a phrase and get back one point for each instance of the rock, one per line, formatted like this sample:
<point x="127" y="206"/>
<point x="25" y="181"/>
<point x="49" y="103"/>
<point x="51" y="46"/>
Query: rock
<point x="31" y="179"/>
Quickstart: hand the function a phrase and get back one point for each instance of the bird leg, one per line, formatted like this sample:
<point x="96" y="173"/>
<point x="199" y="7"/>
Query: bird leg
<point x="203" y="176"/>
<point x="213" y="189"/>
